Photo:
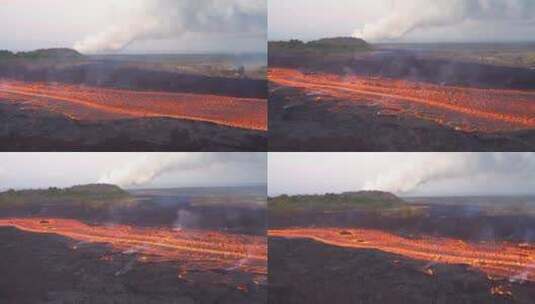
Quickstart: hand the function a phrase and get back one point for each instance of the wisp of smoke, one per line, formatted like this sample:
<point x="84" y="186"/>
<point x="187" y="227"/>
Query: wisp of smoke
<point x="431" y="167"/>
<point x="165" y="19"/>
<point x="406" y="16"/>
<point x="154" y="165"/>
<point x="186" y="219"/>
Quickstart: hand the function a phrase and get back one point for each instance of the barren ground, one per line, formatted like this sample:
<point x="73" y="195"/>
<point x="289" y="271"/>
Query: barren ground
<point x="324" y="118"/>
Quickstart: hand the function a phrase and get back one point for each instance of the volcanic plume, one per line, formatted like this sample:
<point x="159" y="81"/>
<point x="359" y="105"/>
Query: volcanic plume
<point x="414" y="172"/>
<point x="163" y="19"/>
<point x="152" y="166"/>
<point x="406" y="16"/>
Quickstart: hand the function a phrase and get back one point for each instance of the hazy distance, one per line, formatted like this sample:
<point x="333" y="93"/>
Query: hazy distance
<point x="132" y="170"/>
<point x="408" y="174"/>
<point x="135" y="26"/>
<point x="404" y="20"/>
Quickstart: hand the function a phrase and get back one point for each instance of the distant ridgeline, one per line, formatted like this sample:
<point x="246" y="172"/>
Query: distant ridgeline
<point x="93" y="194"/>
<point x="58" y="53"/>
<point x="330" y="201"/>
<point x="342" y="44"/>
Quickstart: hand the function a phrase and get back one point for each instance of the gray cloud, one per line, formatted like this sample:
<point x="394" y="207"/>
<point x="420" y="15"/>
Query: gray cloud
<point x="404" y="20"/>
<point x="403" y="173"/>
<point x="412" y="174"/>
<point x="168" y="19"/>
<point x="407" y="16"/>
<point x="152" y="166"/>
<point x="145" y="170"/>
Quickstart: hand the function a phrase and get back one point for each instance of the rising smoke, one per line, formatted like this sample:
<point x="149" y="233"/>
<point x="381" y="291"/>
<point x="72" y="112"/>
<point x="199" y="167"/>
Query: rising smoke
<point x="154" y="165"/>
<point x="413" y="173"/>
<point x="406" y="16"/>
<point x="186" y="220"/>
<point x="167" y="19"/>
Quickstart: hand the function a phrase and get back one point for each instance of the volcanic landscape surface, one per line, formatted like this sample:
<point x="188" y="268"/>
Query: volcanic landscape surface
<point x="434" y="250"/>
<point x="93" y="104"/>
<point x="398" y="98"/>
<point x="198" y="245"/>
<point x="123" y="99"/>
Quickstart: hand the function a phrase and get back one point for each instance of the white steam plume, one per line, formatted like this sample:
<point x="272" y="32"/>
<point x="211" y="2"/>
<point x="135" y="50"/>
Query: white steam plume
<point x="164" y="19"/>
<point x="154" y="165"/>
<point x="432" y="167"/>
<point x="408" y="15"/>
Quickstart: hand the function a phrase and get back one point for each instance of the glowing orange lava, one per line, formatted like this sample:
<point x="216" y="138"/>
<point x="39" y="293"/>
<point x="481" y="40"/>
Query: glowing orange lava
<point x="193" y="248"/>
<point x="503" y="259"/>
<point x="92" y="103"/>
<point x="468" y="109"/>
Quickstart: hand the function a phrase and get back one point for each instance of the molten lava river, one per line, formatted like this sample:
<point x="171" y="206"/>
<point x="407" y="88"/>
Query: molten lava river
<point x="195" y="249"/>
<point x="467" y="109"/>
<point x="513" y="261"/>
<point x="92" y="103"/>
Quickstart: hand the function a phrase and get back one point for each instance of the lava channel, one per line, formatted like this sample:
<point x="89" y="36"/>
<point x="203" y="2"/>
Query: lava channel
<point x="81" y="102"/>
<point x="195" y="249"/>
<point x="466" y="109"/>
<point x="508" y="260"/>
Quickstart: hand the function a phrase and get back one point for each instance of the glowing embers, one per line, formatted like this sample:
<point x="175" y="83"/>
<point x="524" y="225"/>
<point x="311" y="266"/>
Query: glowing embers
<point x="504" y="259"/>
<point x="193" y="248"/>
<point x="92" y="103"/>
<point x="501" y="290"/>
<point x="467" y="109"/>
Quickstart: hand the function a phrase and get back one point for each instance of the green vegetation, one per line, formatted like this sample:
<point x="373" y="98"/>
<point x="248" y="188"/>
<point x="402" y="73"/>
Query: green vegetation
<point x="59" y="53"/>
<point x="331" y="201"/>
<point x="89" y="195"/>
<point x="338" y="44"/>
<point x="385" y="203"/>
<point x="6" y="55"/>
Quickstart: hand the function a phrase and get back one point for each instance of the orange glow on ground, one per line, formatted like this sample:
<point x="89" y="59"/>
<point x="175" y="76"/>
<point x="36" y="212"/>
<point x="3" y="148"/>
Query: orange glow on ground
<point x="468" y="109"/>
<point x="92" y="104"/>
<point x="503" y="259"/>
<point x="196" y="249"/>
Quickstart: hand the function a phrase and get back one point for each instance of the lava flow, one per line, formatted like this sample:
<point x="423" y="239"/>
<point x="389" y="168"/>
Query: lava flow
<point x="504" y="259"/>
<point x="92" y="103"/>
<point x="193" y="248"/>
<point x="468" y="109"/>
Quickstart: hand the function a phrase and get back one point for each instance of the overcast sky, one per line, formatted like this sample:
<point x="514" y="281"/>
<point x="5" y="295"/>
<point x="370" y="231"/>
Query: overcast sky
<point x="403" y="20"/>
<point x="145" y="170"/>
<point x="134" y="26"/>
<point x="402" y="173"/>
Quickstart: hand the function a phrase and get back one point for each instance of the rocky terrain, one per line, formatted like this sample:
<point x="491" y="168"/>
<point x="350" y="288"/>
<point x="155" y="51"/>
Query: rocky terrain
<point x="235" y="210"/>
<point x="298" y="122"/>
<point x="39" y="268"/>
<point x="28" y="126"/>
<point x="27" y="129"/>
<point x="46" y="266"/>
<point x="312" y="120"/>
<point x="467" y="218"/>
<point x="304" y="271"/>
